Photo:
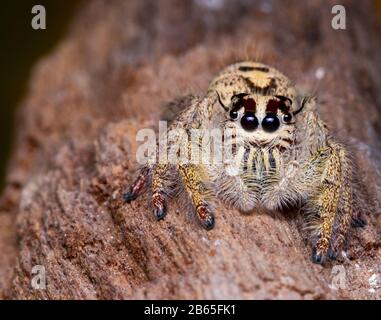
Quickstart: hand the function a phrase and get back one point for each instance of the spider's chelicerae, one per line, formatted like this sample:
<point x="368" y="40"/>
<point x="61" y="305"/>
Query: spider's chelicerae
<point x="285" y="153"/>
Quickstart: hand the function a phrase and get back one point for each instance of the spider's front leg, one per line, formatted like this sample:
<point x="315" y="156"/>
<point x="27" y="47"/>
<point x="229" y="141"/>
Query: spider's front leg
<point x="159" y="193"/>
<point x="331" y="201"/>
<point x="192" y="179"/>
<point x="159" y="187"/>
<point x="138" y="185"/>
<point x="160" y="176"/>
<point x="193" y="184"/>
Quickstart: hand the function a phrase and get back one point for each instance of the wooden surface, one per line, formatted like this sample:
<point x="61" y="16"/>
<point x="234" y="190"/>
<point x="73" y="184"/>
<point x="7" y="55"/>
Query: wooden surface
<point x="111" y="76"/>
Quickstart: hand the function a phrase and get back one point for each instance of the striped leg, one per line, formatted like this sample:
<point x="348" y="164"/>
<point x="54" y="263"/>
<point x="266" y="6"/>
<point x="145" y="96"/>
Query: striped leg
<point x="191" y="177"/>
<point x="159" y="187"/>
<point x="138" y="186"/>
<point x="334" y="203"/>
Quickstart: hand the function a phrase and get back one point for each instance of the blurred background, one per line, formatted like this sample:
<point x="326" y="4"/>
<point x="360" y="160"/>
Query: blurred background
<point x="21" y="47"/>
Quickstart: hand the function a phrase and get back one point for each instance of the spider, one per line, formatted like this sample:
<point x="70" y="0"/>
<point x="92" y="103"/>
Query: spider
<point x="284" y="155"/>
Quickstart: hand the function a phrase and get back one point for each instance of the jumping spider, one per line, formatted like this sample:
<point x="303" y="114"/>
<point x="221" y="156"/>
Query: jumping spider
<point x="288" y="158"/>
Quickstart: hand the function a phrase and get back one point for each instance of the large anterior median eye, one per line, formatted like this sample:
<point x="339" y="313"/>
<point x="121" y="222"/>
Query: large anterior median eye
<point x="270" y="123"/>
<point x="249" y="121"/>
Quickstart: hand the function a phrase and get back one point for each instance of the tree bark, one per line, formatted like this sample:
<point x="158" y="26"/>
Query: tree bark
<point x="74" y="154"/>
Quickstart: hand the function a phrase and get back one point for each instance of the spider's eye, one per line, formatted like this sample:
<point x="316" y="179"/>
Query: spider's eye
<point x="287" y="117"/>
<point x="249" y="121"/>
<point x="270" y="123"/>
<point x="233" y="114"/>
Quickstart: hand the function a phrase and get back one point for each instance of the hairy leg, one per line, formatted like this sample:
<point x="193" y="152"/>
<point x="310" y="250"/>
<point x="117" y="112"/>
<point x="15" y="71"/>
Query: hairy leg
<point x="159" y="190"/>
<point x="192" y="180"/>
<point x="333" y="202"/>
<point x="159" y="187"/>
<point x="138" y="186"/>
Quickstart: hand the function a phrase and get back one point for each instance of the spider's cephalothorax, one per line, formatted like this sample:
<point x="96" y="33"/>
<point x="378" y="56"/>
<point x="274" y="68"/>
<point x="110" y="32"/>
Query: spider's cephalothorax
<point x="281" y="156"/>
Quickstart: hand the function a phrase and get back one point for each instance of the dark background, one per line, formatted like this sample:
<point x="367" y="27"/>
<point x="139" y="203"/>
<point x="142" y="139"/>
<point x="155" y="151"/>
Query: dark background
<point x="20" y="47"/>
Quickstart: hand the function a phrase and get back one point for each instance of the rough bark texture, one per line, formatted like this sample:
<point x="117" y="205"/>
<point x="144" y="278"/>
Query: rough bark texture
<point x="75" y="150"/>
